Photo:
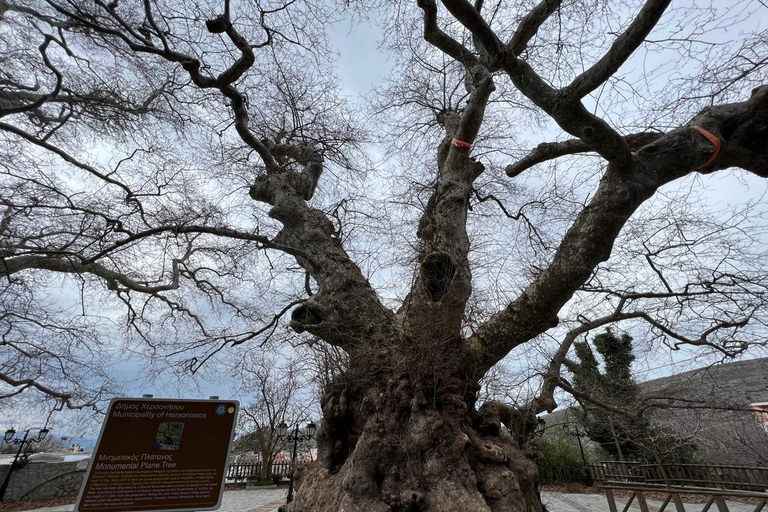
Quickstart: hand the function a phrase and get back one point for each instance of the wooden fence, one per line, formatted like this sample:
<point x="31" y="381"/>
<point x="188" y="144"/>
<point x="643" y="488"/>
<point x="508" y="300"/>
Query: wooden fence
<point x="614" y="471"/>
<point x="713" y="476"/>
<point x="240" y="472"/>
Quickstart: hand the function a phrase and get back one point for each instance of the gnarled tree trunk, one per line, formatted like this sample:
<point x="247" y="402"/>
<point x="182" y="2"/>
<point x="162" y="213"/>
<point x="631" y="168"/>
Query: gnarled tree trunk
<point x="408" y="441"/>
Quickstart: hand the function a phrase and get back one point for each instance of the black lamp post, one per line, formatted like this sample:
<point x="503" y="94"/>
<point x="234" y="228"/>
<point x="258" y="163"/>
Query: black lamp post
<point x="573" y="430"/>
<point x="282" y="434"/>
<point x="11" y="437"/>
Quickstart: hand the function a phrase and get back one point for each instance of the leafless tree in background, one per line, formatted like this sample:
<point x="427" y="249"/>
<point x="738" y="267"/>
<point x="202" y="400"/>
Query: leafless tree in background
<point x="195" y="164"/>
<point x="277" y="397"/>
<point x="721" y="436"/>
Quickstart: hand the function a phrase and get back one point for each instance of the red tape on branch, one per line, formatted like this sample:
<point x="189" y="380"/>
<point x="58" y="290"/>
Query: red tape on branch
<point x="461" y="144"/>
<point x="714" y="139"/>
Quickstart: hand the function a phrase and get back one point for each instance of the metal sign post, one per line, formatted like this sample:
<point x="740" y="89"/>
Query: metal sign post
<point x="160" y="454"/>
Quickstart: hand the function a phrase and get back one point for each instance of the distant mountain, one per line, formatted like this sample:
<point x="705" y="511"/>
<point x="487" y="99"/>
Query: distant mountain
<point x="739" y="382"/>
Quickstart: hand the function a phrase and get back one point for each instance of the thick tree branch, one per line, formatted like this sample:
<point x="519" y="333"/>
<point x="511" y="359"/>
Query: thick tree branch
<point x="587" y="243"/>
<point x="26" y="383"/>
<point x="621" y="49"/>
<point x="569" y="114"/>
<point x="142" y="44"/>
<point x="552" y="150"/>
<point x="545" y="401"/>
<point x="649" y="402"/>
<point x="70" y="265"/>
<point x="89" y="102"/>
<point x="586" y="397"/>
<point x="345" y="311"/>
<point x="336" y="311"/>
<point x="471" y="18"/>
<point x="743" y="131"/>
<point x="441" y="40"/>
<point x="530" y="24"/>
<point x="219" y="231"/>
<point x="38" y="102"/>
<point x="439" y="294"/>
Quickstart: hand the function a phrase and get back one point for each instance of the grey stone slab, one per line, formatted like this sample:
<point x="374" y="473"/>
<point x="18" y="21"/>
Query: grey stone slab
<point x="262" y="500"/>
<point x="268" y="500"/>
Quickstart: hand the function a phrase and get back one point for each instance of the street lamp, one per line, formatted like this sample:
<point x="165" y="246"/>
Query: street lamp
<point x="309" y="433"/>
<point x="11" y="438"/>
<point x="572" y="429"/>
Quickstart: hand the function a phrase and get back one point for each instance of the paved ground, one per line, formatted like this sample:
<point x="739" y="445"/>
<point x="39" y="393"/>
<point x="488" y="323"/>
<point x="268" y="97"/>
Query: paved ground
<point x="267" y="500"/>
<point x="262" y="500"/>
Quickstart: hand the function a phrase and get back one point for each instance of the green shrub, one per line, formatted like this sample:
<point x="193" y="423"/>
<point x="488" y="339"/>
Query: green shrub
<point x="560" y="462"/>
<point x="256" y="480"/>
<point x="277" y="478"/>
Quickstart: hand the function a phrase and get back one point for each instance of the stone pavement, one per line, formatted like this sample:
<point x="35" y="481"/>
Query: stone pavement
<point x="261" y="500"/>
<point x="267" y="500"/>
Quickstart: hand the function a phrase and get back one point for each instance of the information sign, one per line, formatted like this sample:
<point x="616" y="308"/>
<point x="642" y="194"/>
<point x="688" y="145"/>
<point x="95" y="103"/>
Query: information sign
<point x="160" y="454"/>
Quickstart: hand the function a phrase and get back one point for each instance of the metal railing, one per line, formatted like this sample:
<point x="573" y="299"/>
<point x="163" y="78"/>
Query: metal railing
<point x="240" y="472"/>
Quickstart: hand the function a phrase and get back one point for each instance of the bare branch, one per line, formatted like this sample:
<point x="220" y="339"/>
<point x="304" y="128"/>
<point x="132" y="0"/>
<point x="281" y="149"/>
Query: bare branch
<point x="69" y="265"/>
<point x="23" y="384"/>
<point x="44" y="97"/>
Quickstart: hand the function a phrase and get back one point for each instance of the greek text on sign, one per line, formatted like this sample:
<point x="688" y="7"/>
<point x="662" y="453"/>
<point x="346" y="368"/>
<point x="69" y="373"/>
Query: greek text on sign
<point x="160" y="454"/>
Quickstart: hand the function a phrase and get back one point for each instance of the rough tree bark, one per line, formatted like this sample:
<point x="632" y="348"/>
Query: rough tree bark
<point x="401" y="428"/>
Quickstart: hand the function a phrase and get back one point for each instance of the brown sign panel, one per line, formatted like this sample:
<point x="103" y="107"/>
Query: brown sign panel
<point x="160" y="454"/>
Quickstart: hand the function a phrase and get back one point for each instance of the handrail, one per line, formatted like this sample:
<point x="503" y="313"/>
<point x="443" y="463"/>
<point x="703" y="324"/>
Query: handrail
<point x="242" y="471"/>
<point x="703" y="475"/>
<point x="622" y="486"/>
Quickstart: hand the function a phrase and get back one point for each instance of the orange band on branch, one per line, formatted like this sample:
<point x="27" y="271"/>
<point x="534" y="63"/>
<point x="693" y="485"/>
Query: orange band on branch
<point x="461" y="144"/>
<point x="714" y="139"/>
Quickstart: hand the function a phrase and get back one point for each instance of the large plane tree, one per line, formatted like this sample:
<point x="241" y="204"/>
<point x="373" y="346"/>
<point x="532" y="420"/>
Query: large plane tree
<point x="196" y="164"/>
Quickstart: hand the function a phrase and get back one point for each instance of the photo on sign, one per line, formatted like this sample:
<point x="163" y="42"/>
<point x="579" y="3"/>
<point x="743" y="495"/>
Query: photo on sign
<point x="169" y="435"/>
